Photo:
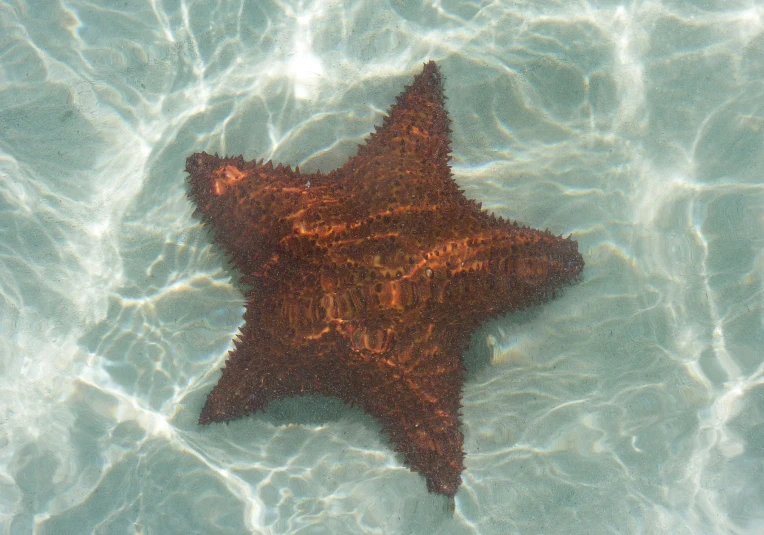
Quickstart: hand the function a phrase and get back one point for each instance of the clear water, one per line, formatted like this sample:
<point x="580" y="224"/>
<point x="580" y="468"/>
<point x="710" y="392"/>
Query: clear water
<point x="634" y="403"/>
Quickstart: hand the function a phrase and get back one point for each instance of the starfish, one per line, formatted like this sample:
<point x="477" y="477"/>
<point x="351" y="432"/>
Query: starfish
<point x="365" y="283"/>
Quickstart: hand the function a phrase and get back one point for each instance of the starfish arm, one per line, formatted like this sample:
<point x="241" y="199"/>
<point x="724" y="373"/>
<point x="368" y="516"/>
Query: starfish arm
<point x="252" y="378"/>
<point x="252" y="206"/>
<point x="414" y="391"/>
<point x="261" y="369"/>
<point x="404" y="163"/>
<point x="287" y="347"/>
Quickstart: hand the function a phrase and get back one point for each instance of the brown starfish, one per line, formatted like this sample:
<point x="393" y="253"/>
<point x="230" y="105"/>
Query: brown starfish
<point x="365" y="283"/>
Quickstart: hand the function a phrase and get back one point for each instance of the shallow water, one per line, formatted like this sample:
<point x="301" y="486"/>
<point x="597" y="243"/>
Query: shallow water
<point x="633" y="403"/>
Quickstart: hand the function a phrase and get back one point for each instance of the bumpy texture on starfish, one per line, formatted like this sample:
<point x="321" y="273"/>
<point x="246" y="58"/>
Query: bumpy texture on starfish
<point x="365" y="283"/>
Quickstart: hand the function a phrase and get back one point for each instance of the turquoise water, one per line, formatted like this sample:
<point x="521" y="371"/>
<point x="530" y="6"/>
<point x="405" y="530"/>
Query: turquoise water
<point x="633" y="403"/>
